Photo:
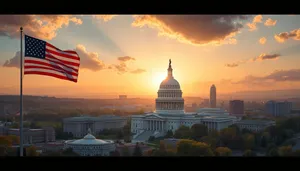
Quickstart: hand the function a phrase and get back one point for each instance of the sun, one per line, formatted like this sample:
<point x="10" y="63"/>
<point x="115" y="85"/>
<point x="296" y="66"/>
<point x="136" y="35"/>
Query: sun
<point x="158" y="77"/>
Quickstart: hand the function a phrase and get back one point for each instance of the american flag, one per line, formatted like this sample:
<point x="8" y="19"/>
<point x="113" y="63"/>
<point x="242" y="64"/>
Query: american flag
<point x="42" y="58"/>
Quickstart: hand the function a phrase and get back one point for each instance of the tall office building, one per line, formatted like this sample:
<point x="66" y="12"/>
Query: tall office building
<point x="213" y="96"/>
<point x="236" y="107"/>
<point x="278" y="108"/>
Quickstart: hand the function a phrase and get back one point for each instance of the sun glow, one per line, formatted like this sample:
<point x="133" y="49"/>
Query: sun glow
<point x="158" y="77"/>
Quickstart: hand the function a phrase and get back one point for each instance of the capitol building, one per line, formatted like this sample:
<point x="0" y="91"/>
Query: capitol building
<point x="170" y="114"/>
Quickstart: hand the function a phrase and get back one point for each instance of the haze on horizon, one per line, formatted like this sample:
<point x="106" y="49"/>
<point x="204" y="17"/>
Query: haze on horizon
<point x="128" y="54"/>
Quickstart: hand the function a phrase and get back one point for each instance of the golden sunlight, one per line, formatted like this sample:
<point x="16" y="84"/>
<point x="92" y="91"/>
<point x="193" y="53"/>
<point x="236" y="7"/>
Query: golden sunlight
<point x="158" y="77"/>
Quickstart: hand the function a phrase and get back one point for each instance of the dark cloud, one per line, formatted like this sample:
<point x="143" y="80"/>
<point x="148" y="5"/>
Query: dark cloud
<point x="122" y="67"/>
<point x="264" y="56"/>
<point x="194" y="29"/>
<point x="40" y="26"/>
<point x="282" y="37"/>
<point x="261" y="57"/>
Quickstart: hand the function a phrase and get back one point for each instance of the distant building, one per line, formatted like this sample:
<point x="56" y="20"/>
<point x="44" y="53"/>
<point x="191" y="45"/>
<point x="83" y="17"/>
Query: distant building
<point x="32" y="136"/>
<point x="205" y="103"/>
<point x="254" y="125"/>
<point x="90" y="146"/>
<point x="79" y="126"/>
<point x="122" y="97"/>
<point x="278" y="108"/>
<point x="236" y="107"/>
<point x="213" y="96"/>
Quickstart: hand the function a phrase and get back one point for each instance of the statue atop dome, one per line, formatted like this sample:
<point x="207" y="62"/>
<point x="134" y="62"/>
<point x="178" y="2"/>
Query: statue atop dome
<point x="170" y="75"/>
<point x="89" y="131"/>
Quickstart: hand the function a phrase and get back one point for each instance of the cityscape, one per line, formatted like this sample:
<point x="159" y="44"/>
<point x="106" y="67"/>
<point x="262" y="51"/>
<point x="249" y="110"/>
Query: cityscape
<point x="139" y="106"/>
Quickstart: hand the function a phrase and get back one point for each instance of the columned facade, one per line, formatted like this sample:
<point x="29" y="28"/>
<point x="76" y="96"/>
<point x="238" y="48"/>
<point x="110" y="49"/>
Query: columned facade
<point x="154" y="125"/>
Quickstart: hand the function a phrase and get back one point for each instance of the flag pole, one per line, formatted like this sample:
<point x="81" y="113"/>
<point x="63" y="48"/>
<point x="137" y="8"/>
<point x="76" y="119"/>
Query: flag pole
<point x="21" y="94"/>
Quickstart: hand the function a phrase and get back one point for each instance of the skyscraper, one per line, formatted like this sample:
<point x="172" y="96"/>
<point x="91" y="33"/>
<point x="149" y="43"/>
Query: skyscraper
<point x="213" y="96"/>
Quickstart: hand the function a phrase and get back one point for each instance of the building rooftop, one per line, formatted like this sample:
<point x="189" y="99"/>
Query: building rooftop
<point x="89" y="139"/>
<point x="257" y="122"/>
<point x="90" y="118"/>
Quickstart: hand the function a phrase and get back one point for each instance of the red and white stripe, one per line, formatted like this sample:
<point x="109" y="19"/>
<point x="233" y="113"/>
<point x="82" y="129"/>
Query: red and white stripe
<point x="57" y="63"/>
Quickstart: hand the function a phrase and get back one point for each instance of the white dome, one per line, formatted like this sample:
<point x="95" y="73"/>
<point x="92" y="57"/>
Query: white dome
<point x="89" y="139"/>
<point x="169" y="83"/>
<point x="169" y="96"/>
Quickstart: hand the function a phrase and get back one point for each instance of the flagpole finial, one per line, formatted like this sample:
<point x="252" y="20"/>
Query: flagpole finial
<point x="21" y="28"/>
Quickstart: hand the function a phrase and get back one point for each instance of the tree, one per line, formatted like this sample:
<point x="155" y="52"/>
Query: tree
<point x="285" y="150"/>
<point x="127" y="132"/>
<point x="209" y="140"/>
<point x="249" y="141"/>
<point x="249" y="153"/>
<point x="263" y="142"/>
<point x="183" y="132"/>
<point x="32" y="151"/>
<point x="15" y="139"/>
<point x="114" y="153"/>
<point x="198" y="131"/>
<point x="296" y="153"/>
<point x="5" y="143"/>
<point x="169" y="134"/>
<point x="137" y="150"/>
<point x="33" y="125"/>
<point x="272" y="150"/>
<point x="125" y="151"/>
<point x="223" y="151"/>
<point x="193" y="148"/>
<point x="119" y="135"/>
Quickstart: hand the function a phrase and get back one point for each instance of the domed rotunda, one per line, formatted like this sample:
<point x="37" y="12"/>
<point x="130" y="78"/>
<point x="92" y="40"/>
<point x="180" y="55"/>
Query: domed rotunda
<point x="169" y="100"/>
<point x="169" y="114"/>
<point x="90" y="146"/>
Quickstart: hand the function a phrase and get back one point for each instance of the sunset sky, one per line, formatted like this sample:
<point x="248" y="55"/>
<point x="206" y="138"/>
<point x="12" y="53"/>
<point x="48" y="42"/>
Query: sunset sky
<point x="128" y="54"/>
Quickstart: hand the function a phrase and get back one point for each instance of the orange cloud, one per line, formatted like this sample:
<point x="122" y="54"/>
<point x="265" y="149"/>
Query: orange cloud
<point x="282" y="37"/>
<point x="262" y="40"/>
<point x="122" y="67"/>
<point x="261" y="57"/>
<point x="269" y="22"/>
<point x="89" y="60"/>
<point x="104" y="17"/>
<point x="138" y="71"/>
<point x="256" y="19"/>
<point x="232" y="65"/>
<point x="40" y="26"/>
<point x="194" y="29"/>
